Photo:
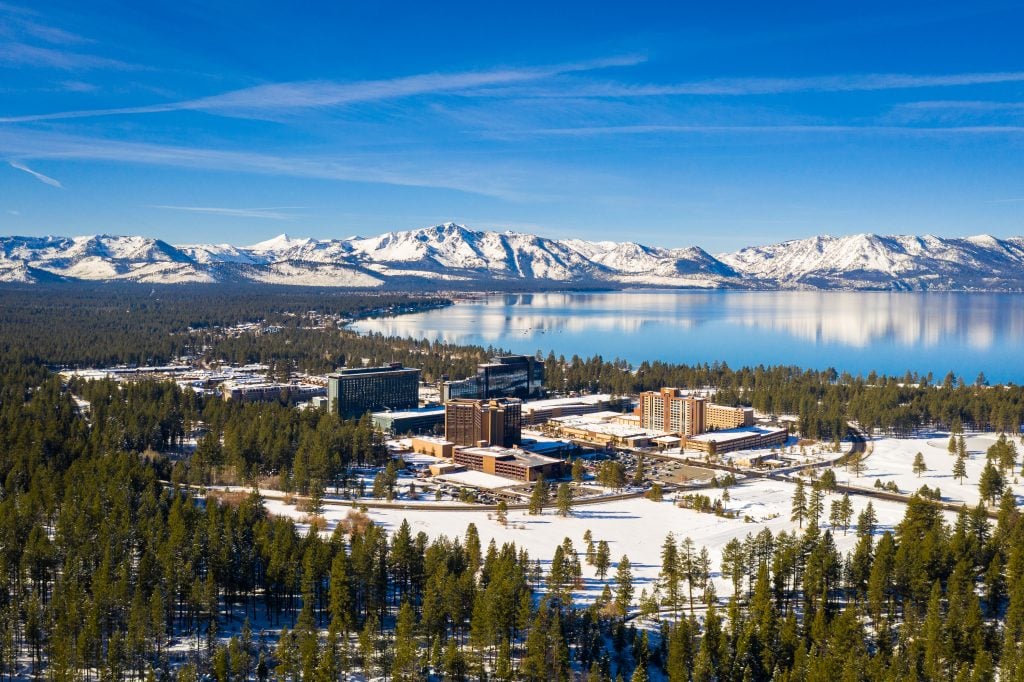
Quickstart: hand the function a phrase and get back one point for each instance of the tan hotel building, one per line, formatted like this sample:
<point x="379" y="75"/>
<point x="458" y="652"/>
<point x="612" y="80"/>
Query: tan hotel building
<point x="469" y="422"/>
<point x="672" y="410"/>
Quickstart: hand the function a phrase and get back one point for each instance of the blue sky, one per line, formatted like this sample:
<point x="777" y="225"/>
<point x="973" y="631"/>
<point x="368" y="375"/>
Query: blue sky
<point x="670" y="124"/>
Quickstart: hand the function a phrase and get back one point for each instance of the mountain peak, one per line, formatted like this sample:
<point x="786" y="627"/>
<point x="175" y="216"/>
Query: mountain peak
<point x="279" y="243"/>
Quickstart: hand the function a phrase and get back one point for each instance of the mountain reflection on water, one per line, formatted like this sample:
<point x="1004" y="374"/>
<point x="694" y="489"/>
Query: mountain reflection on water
<point x="852" y="331"/>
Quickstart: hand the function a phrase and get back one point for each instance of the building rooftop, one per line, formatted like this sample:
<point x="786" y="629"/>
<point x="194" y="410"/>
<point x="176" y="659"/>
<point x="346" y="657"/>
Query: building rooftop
<point x="432" y="439"/>
<point x="384" y="369"/>
<point x="413" y="412"/>
<point x="528" y="458"/>
<point x="727" y="435"/>
<point x="604" y="427"/>
<point x="594" y="399"/>
<point x="540" y="444"/>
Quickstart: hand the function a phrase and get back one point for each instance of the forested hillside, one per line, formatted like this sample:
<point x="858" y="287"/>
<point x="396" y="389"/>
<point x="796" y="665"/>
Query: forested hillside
<point x="112" y="568"/>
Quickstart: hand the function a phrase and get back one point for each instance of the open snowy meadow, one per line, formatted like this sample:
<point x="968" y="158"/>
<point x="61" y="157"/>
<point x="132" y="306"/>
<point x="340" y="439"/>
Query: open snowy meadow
<point x="632" y="527"/>
<point x="892" y="460"/>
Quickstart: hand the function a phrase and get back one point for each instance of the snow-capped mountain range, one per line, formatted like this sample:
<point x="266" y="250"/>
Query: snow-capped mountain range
<point x="454" y="256"/>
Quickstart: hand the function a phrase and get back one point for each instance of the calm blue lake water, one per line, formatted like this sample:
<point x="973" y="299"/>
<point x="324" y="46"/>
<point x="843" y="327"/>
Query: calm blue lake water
<point x="851" y="331"/>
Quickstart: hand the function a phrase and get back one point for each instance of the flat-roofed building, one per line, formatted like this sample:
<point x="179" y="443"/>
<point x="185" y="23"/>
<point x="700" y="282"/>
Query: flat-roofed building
<point x="510" y="463"/>
<point x="497" y="421"/>
<point x="599" y="429"/>
<point x="435" y="447"/>
<point x="443" y="468"/>
<point x="744" y="438"/>
<point x="418" y="420"/>
<point x="723" y="417"/>
<point x="270" y="392"/>
<point x="540" y="411"/>
<point x="354" y="391"/>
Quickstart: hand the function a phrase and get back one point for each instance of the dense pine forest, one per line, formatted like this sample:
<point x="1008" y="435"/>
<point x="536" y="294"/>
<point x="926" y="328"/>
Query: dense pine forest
<point x="113" y="568"/>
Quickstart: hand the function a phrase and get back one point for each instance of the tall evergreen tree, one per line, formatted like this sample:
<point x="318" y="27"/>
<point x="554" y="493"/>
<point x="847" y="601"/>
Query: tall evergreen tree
<point x="798" y="513"/>
<point x="539" y="496"/>
<point x="563" y="500"/>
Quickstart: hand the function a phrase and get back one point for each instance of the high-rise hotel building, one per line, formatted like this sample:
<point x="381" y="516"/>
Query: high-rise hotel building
<point x="673" y="410"/>
<point x="355" y="391"/>
<point x="498" y="421"/>
<point x="505" y="376"/>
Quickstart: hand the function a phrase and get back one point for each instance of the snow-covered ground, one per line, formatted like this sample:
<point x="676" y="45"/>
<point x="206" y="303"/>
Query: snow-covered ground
<point x="634" y="527"/>
<point x="892" y="459"/>
<point x="478" y="479"/>
<point x="791" y="453"/>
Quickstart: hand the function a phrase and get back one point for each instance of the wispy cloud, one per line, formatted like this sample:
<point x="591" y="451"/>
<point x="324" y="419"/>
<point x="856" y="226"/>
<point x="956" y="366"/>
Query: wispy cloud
<point x="957" y="111"/>
<point x="497" y="181"/>
<point x="270" y="213"/>
<point x="275" y="98"/>
<point x="644" y="129"/>
<point x="24" y="21"/>
<point x="962" y="105"/>
<point x="27" y="40"/>
<point x="757" y="86"/>
<point x="23" y="54"/>
<point x="46" y="179"/>
<point x="77" y="86"/>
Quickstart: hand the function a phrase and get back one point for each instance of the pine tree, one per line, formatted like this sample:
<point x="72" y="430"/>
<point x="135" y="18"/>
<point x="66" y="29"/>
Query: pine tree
<point x="919" y="467"/>
<point x="405" y="667"/>
<point x="533" y="666"/>
<point x="799" y="507"/>
<point x="670" y="574"/>
<point x="501" y="513"/>
<point x="639" y="474"/>
<point x="563" y="500"/>
<point x="990" y="485"/>
<point x="503" y="666"/>
<point x="623" y="585"/>
<point x="935" y="654"/>
<point x="857" y="465"/>
<point x="846" y="512"/>
<point x="734" y="563"/>
<point x="867" y="520"/>
<point x="367" y="645"/>
<point x="578" y="470"/>
<point x="539" y="496"/>
<point x="327" y="669"/>
<point x="454" y="664"/>
<point x="680" y="653"/>
<point x="316" y="497"/>
<point x="835" y="514"/>
<point x="815" y="504"/>
<point x="959" y="469"/>
<point x="340" y="593"/>
<point x="602" y="559"/>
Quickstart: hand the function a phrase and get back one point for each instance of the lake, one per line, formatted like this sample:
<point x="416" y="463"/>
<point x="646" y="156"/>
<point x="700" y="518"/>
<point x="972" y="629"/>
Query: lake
<point x="891" y="333"/>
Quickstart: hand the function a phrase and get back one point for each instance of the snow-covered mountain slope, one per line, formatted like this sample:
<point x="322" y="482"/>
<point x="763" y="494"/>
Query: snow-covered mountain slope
<point x="867" y="261"/>
<point x="99" y="257"/>
<point x="452" y="254"/>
